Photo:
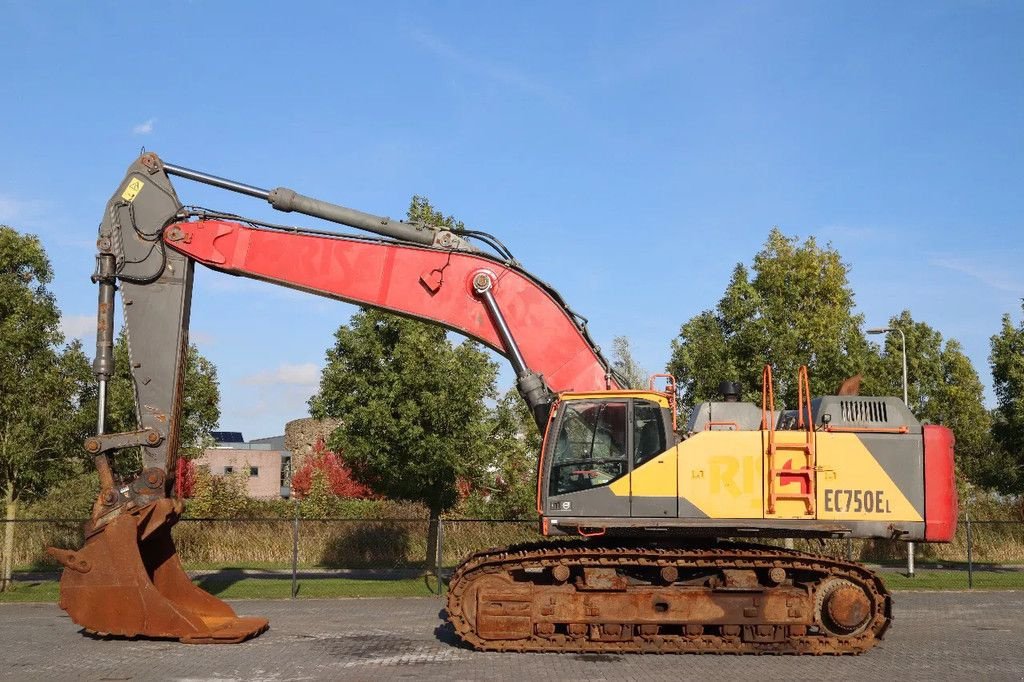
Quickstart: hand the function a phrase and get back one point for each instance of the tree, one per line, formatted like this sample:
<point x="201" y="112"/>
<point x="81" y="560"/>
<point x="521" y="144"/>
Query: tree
<point x="506" y="487"/>
<point x="411" y="403"/>
<point x="626" y="366"/>
<point x="329" y="465"/>
<point x="42" y="383"/>
<point x="797" y="309"/>
<point x="200" y="410"/>
<point x="942" y="388"/>
<point x="1007" y="361"/>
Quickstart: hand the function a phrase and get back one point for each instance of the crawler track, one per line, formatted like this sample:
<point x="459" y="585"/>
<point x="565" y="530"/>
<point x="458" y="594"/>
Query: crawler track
<point x="714" y="598"/>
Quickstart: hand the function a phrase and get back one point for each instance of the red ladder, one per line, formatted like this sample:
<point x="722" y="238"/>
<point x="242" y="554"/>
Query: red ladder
<point x="805" y="422"/>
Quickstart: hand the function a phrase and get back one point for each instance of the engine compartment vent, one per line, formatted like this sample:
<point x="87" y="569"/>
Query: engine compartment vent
<point x="864" y="411"/>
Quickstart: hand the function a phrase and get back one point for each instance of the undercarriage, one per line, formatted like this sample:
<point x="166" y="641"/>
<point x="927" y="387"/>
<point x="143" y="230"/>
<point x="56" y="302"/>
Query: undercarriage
<point x="720" y="597"/>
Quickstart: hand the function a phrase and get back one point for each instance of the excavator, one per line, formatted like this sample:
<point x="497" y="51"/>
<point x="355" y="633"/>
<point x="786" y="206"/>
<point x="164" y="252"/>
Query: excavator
<point x="650" y="525"/>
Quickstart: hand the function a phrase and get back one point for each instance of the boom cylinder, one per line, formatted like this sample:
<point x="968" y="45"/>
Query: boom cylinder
<point x="530" y="384"/>
<point x="288" y="200"/>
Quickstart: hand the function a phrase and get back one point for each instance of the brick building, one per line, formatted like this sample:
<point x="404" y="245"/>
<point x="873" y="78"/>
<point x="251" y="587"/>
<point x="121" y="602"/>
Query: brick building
<point x="264" y="461"/>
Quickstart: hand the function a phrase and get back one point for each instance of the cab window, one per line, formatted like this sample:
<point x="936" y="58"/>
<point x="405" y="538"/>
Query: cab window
<point x="590" y="448"/>
<point x="648" y="434"/>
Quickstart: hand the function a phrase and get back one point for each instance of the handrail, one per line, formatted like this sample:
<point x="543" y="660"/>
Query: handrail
<point x="767" y="396"/>
<point x="867" y="429"/>
<point x="670" y="392"/>
<point x="803" y="399"/>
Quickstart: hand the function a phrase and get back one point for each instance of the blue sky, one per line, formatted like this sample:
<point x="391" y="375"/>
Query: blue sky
<point x="628" y="153"/>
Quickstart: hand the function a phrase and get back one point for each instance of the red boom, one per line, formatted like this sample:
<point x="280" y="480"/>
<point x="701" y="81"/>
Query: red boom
<point x="420" y="282"/>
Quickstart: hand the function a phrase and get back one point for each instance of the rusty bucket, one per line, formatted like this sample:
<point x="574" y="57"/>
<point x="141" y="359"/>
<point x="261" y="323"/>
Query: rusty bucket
<point x="127" y="581"/>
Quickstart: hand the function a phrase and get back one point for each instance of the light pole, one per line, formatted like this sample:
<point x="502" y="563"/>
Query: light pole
<point x="906" y="401"/>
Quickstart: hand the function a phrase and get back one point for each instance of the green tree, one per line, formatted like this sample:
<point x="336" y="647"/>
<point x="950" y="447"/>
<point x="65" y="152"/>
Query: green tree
<point x="42" y="383"/>
<point x="421" y="211"/>
<point x="414" y="420"/>
<point x="506" y="486"/>
<point x="793" y="307"/>
<point x="626" y="366"/>
<point x="1007" y="361"/>
<point x="200" y="410"/>
<point x="412" y="407"/>
<point x="942" y="388"/>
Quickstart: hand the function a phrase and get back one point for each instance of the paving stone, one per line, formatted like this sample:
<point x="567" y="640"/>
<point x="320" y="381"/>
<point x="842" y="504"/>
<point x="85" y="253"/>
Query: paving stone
<point x="947" y="635"/>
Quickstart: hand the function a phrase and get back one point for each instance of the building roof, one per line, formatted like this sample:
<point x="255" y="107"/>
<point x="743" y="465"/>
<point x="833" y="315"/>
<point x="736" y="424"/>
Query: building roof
<point x="275" y="442"/>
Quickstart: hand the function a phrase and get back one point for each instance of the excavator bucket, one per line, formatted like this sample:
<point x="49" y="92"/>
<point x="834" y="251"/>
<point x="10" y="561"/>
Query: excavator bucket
<point x="127" y="581"/>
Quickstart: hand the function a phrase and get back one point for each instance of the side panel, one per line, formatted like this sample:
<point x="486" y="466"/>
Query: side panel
<point x="721" y="475"/>
<point x="869" y="477"/>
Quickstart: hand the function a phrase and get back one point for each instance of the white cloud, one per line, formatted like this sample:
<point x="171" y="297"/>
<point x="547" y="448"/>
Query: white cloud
<point x="307" y="374"/>
<point x="985" y="273"/>
<point x="78" y="326"/>
<point x="144" y="128"/>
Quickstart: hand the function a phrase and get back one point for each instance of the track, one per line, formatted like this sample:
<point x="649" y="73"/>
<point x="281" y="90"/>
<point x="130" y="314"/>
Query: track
<point x="714" y="598"/>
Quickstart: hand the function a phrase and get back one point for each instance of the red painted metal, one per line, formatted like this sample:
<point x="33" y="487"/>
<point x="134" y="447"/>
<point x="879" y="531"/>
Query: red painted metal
<point x="940" y="501"/>
<point x="420" y="282"/>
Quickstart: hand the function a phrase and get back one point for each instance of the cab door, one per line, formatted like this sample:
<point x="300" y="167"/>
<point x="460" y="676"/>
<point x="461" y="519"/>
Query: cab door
<point x="654" y="480"/>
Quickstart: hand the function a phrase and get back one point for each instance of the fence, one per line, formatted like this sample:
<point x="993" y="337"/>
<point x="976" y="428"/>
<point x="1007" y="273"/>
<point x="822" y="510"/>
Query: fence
<point x="368" y="557"/>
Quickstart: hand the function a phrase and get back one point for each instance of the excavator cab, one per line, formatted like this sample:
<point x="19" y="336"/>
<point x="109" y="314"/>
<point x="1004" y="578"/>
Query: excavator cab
<point x="595" y="443"/>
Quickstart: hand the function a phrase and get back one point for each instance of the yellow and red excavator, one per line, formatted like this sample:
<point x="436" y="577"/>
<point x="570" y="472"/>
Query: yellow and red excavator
<point x="645" y="507"/>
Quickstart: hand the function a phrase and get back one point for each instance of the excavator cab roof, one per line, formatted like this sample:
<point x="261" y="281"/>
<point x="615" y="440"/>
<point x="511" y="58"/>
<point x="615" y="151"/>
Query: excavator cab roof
<point x="653" y="396"/>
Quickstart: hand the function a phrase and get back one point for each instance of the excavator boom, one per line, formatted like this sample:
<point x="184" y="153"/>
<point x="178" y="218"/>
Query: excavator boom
<point x="127" y="579"/>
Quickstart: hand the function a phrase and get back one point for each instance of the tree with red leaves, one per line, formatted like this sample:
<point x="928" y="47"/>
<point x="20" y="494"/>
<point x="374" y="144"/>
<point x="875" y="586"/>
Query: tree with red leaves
<point x="185" y="478"/>
<point x="337" y="474"/>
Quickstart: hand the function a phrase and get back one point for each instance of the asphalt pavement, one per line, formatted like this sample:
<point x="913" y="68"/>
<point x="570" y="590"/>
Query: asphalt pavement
<point x="936" y="636"/>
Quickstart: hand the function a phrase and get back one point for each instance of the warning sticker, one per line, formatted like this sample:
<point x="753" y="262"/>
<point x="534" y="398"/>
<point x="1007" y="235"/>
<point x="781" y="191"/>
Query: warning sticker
<point x="132" y="190"/>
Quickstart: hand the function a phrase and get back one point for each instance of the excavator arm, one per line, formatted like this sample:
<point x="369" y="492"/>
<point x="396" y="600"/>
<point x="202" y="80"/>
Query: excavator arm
<point x="148" y="245"/>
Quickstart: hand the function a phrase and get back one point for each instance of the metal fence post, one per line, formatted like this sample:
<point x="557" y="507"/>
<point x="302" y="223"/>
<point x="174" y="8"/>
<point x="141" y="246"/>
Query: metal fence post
<point x="440" y="556"/>
<point x="970" y="556"/>
<point x="295" y="552"/>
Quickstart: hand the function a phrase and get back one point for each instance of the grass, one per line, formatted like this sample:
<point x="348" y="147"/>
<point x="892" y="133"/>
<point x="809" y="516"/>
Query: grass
<point x="235" y="586"/>
<point x="955" y="580"/>
<point x="229" y="587"/>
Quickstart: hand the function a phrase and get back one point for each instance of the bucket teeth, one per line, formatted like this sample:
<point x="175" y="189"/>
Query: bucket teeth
<point x="127" y="580"/>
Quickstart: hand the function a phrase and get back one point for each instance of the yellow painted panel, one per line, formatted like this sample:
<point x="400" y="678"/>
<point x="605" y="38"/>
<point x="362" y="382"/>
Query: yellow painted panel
<point x="720" y="472"/>
<point x="852" y="485"/>
<point x="654" y="478"/>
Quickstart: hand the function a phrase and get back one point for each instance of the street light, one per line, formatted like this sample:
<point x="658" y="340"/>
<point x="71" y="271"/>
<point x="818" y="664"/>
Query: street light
<point x="903" y="340"/>
<point x="906" y="401"/>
